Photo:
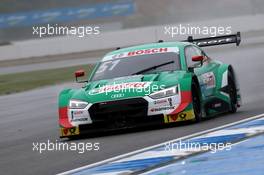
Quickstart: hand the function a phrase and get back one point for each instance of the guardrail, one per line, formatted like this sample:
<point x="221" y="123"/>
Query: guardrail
<point x="122" y="38"/>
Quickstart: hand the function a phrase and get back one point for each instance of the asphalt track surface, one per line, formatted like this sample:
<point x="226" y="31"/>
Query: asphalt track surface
<point x="32" y="117"/>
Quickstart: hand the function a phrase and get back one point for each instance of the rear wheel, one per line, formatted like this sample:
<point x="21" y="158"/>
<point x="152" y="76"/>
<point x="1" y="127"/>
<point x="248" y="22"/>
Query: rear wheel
<point x="232" y="91"/>
<point x="196" y="102"/>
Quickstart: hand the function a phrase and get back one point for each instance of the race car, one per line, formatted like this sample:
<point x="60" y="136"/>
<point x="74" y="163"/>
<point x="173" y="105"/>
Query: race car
<point x="156" y="83"/>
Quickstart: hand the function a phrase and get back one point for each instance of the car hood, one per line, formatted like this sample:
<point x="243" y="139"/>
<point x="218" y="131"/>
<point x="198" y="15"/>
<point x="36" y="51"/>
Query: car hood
<point x="127" y="87"/>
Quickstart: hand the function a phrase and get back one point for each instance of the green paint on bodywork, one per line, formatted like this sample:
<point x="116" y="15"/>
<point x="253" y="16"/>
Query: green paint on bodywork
<point x="165" y="79"/>
<point x="158" y="81"/>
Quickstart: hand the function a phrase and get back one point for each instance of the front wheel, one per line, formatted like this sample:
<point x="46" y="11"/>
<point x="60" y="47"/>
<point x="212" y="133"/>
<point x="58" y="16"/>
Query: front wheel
<point x="196" y="103"/>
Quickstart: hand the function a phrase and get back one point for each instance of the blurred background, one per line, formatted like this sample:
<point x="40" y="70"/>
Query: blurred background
<point x="18" y="16"/>
<point x="122" y="23"/>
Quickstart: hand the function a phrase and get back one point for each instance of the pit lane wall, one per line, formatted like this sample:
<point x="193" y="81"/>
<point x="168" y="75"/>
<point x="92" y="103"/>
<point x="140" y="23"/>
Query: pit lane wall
<point x="245" y="148"/>
<point x="107" y="40"/>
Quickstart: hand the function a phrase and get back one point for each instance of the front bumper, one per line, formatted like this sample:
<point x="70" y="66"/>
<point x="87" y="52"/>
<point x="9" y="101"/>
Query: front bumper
<point x="126" y="113"/>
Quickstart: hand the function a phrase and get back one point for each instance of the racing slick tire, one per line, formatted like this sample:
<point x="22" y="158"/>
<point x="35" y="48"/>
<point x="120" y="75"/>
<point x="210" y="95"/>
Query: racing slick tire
<point x="232" y="91"/>
<point x="196" y="100"/>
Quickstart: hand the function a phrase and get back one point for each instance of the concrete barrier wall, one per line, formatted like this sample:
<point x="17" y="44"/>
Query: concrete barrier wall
<point x="122" y="38"/>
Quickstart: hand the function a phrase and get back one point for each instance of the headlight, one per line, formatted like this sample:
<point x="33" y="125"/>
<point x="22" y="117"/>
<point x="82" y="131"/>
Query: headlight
<point x="77" y="104"/>
<point x="165" y="93"/>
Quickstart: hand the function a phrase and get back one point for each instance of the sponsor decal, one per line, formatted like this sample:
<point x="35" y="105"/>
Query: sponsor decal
<point x="79" y="116"/>
<point x="164" y="105"/>
<point x="162" y="101"/>
<point x="214" y="41"/>
<point x="162" y="109"/>
<point x="141" y="52"/>
<point x="182" y="116"/>
<point x="119" y="87"/>
<point x="79" y="120"/>
<point x="77" y="113"/>
<point x="70" y="131"/>
<point x="170" y="101"/>
<point x="173" y="117"/>
<point x="208" y="79"/>
<point x="147" y="51"/>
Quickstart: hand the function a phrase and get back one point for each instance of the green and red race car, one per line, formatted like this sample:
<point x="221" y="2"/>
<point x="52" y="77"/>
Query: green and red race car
<point x="157" y="83"/>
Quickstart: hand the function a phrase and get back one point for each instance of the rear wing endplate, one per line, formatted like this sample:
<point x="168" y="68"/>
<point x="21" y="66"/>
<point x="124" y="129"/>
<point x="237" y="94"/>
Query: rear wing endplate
<point x="218" y="40"/>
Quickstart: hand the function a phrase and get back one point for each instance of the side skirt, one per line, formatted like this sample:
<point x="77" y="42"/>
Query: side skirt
<point x="216" y="106"/>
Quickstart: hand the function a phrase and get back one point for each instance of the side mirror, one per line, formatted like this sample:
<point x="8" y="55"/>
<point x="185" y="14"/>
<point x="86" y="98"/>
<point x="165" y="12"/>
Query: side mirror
<point x="79" y="73"/>
<point x="198" y="58"/>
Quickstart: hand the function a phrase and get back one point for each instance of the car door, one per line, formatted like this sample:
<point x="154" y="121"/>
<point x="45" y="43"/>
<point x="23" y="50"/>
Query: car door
<point x="206" y="72"/>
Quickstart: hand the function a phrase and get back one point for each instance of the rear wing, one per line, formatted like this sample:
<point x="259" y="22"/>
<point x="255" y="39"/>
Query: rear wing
<point x="218" y="40"/>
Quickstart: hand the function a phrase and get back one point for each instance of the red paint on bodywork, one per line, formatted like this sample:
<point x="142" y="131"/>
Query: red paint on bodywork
<point x="63" y="117"/>
<point x="186" y="99"/>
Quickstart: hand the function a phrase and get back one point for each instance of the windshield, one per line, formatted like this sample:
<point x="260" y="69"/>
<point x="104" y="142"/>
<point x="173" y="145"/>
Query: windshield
<point x="142" y="64"/>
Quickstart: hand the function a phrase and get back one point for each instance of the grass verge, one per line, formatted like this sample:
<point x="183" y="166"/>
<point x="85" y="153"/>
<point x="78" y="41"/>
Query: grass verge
<point x="18" y="82"/>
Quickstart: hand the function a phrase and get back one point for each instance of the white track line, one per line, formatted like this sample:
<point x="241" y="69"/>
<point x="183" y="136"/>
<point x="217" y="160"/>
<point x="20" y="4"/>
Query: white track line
<point x="160" y="144"/>
<point x="163" y="167"/>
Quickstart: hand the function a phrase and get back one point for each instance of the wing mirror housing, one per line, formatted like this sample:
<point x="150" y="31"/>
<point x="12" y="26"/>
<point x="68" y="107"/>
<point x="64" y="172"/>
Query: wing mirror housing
<point x="198" y="58"/>
<point x="78" y="74"/>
